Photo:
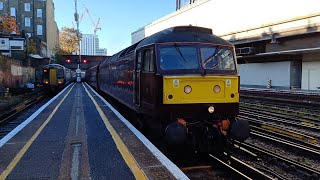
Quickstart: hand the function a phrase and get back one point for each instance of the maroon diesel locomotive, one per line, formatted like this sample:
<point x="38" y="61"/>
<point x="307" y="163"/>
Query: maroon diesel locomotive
<point x="183" y="84"/>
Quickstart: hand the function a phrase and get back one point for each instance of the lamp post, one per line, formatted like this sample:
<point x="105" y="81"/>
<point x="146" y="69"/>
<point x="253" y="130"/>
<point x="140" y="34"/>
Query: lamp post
<point x="76" y="18"/>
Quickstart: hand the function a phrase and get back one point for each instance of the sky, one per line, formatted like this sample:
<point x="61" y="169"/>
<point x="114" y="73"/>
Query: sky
<point x="118" y="19"/>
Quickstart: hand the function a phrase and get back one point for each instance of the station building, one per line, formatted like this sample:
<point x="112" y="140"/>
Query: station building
<point x="277" y="42"/>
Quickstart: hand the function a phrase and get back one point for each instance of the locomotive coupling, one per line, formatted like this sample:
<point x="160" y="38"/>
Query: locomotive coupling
<point x="176" y="132"/>
<point x="240" y="129"/>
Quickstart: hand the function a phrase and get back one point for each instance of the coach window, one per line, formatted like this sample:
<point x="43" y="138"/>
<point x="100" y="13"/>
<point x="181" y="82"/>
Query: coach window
<point x="148" y="63"/>
<point x="138" y="65"/>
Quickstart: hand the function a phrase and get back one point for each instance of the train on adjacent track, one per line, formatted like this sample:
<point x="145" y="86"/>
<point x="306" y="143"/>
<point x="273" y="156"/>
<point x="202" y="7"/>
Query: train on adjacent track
<point x="182" y="83"/>
<point x="56" y="76"/>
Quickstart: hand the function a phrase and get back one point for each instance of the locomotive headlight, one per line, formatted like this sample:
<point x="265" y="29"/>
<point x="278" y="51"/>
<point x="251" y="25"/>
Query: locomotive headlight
<point x="60" y="81"/>
<point x="216" y="89"/>
<point x="187" y="89"/>
<point x="211" y="109"/>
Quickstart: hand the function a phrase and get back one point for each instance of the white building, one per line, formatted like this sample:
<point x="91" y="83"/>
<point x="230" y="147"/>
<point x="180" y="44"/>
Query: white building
<point x="101" y="52"/>
<point x="275" y="40"/>
<point x="90" y="45"/>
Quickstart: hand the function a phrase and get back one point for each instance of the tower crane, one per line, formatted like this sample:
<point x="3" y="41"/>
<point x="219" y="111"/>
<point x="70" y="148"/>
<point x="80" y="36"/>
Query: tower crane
<point x="95" y="25"/>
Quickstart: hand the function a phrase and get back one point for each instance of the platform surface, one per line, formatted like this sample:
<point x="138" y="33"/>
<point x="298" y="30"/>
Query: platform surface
<point x="78" y="136"/>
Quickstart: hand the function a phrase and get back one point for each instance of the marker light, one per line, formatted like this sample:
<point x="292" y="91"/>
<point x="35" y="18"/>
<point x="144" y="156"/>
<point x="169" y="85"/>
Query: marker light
<point x="46" y="82"/>
<point x="216" y="89"/>
<point x="211" y="109"/>
<point x="187" y="89"/>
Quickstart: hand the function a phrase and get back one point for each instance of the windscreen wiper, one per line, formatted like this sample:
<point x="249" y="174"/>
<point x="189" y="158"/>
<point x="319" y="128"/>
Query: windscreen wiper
<point x="179" y="51"/>
<point x="210" y="57"/>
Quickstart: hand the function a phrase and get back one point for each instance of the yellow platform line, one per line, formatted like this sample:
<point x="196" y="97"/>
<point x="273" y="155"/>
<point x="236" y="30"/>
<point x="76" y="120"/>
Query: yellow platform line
<point x="25" y="148"/>
<point x="127" y="156"/>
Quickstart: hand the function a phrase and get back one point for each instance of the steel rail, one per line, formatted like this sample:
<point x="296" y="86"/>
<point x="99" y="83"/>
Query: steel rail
<point x="240" y="167"/>
<point x="288" y="143"/>
<point x="282" y="130"/>
<point x="285" y="137"/>
<point x="280" y="119"/>
<point x="266" y="152"/>
<point x="287" y="115"/>
<point x="288" y="109"/>
<point x="20" y="108"/>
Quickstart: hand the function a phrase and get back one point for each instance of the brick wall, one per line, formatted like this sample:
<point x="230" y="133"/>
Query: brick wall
<point x="16" y="73"/>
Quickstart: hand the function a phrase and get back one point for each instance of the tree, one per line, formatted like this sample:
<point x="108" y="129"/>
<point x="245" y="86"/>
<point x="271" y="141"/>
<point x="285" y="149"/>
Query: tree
<point x="31" y="47"/>
<point x="58" y="52"/>
<point x="68" y="40"/>
<point x="8" y="24"/>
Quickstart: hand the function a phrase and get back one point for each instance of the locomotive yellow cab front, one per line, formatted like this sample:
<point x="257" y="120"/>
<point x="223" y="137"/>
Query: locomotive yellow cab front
<point x="200" y="89"/>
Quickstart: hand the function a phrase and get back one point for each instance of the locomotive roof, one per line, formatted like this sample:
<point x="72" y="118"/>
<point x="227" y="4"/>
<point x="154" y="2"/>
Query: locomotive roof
<point x="184" y="34"/>
<point x="173" y="34"/>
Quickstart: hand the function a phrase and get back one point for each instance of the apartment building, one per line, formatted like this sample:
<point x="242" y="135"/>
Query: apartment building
<point x="36" y="18"/>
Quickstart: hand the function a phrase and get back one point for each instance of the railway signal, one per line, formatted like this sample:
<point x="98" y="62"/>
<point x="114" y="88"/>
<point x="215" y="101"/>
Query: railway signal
<point x="68" y="60"/>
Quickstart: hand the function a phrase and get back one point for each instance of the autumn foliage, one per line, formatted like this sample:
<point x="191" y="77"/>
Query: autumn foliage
<point x="8" y="25"/>
<point x="68" y="40"/>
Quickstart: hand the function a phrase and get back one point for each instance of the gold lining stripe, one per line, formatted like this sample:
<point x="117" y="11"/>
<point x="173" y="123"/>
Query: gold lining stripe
<point x="127" y="156"/>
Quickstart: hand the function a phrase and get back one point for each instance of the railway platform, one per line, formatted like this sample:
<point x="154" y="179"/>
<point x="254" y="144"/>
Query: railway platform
<point x="78" y="135"/>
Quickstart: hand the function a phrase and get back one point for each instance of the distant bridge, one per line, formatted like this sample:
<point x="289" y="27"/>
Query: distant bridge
<point x="71" y="61"/>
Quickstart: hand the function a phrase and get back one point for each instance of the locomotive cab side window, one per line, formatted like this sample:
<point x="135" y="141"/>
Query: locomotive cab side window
<point x="148" y="63"/>
<point x="139" y="57"/>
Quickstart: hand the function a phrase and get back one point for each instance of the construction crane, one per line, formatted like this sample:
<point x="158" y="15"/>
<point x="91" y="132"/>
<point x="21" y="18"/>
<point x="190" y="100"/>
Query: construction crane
<point x="95" y="24"/>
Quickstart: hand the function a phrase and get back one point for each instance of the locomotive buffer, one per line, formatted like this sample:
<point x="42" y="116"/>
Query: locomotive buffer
<point x="78" y="135"/>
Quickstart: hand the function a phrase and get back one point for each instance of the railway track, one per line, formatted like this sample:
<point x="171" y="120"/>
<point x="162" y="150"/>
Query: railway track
<point x="310" y="137"/>
<point x="225" y="167"/>
<point x="306" y="150"/>
<point x="306" y="171"/>
<point x="290" y="125"/>
<point x="294" y="111"/>
<point x="29" y="99"/>
<point x="301" y="97"/>
<point x="293" y="120"/>
<point x="257" y="131"/>
<point x="20" y="113"/>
